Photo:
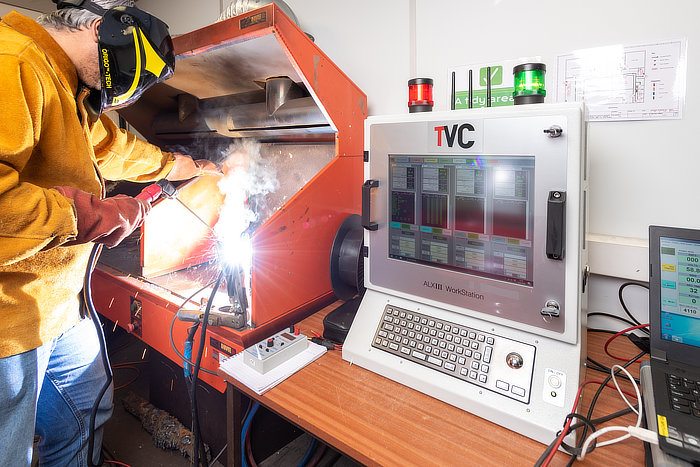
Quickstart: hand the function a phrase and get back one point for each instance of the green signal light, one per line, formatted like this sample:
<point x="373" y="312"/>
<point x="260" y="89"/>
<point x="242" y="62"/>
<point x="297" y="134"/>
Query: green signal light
<point x="528" y="80"/>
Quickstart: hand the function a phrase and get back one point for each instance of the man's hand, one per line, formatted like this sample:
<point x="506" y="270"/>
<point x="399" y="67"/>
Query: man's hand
<point x="107" y="221"/>
<point x="186" y="168"/>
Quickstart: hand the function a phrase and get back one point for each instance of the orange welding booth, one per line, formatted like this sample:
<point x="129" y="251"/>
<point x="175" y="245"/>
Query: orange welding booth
<point x="254" y="77"/>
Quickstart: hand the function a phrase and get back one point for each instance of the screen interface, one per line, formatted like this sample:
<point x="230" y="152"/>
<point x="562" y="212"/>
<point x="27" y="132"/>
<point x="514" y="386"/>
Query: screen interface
<point x="680" y="290"/>
<point x="472" y="214"/>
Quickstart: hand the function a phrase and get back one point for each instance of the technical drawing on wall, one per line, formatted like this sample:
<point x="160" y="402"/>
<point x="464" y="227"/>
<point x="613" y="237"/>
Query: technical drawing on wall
<point x="644" y="82"/>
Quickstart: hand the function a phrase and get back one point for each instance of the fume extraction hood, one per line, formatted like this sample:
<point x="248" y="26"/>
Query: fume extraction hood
<point x="256" y="77"/>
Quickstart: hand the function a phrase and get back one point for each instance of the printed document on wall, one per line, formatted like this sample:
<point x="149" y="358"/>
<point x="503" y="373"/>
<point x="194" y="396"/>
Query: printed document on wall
<point x="642" y="82"/>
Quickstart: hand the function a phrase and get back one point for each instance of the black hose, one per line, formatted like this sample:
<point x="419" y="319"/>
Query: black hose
<point x="195" y="372"/>
<point x="87" y="297"/>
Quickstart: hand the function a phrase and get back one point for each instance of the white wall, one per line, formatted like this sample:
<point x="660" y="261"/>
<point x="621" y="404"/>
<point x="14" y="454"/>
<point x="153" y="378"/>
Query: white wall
<point x="4" y="9"/>
<point x="640" y="172"/>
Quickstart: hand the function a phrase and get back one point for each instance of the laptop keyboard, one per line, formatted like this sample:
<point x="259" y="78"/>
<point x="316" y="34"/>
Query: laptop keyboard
<point x="684" y="394"/>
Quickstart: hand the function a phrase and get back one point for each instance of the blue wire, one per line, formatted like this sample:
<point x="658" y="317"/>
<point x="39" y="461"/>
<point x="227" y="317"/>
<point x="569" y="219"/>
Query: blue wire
<point x="246" y="425"/>
<point x="308" y="453"/>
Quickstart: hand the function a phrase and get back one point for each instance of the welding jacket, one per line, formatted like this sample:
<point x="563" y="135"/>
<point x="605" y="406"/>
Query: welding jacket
<point x="47" y="139"/>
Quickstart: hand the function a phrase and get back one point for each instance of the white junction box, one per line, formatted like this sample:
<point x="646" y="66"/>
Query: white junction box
<point x="274" y="351"/>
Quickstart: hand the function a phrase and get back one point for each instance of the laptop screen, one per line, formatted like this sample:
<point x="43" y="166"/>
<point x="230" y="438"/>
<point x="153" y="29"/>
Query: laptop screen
<point x="680" y="290"/>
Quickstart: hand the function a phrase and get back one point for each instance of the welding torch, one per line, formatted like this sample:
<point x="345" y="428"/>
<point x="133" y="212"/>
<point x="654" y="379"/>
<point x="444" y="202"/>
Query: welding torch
<point x="235" y="281"/>
<point x="164" y="187"/>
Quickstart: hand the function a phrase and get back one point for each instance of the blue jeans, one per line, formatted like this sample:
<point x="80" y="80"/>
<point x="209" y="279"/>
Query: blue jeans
<point x="50" y="391"/>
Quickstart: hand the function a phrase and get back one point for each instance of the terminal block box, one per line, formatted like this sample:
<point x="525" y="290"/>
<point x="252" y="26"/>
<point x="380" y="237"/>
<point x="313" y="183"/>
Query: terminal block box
<point x="274" y="351"/>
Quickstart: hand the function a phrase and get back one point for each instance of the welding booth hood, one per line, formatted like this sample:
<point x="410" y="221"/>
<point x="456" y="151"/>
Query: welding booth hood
<point x="253" y="81"/>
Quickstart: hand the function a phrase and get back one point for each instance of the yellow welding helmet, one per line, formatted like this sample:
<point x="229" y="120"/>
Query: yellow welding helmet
<point x="136" y="52"/>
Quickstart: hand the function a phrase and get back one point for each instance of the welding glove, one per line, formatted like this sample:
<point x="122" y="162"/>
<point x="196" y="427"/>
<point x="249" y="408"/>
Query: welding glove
<point x="107" y="221"/>
<point x="186" y="168"/>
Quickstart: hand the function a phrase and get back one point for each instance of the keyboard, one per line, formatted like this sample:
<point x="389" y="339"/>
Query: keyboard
<point x="684" y="394"/>
<point x="486" y="360"/>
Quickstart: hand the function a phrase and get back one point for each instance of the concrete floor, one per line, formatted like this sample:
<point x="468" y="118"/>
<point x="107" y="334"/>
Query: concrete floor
<point x="127" y="442"/>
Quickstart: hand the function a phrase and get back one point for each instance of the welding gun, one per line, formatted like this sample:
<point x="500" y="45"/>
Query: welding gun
<point x="164" y="187"/>
<point x="235" y="287"/>
<point x="152" y="192"/>
<point x="216" y="318"/>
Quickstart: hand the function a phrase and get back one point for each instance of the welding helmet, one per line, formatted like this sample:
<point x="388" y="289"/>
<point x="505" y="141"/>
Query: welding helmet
<point x="136" y="52"/>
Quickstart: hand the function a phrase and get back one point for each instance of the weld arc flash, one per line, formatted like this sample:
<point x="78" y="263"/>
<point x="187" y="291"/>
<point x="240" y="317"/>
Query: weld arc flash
<point x="136" y="52"/>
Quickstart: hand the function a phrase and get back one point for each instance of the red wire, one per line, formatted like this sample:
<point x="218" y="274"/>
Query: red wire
<point x="117" y="365"/>
<point x="319" y="456"/>
<point x="618" y="335"/>
<point x="613" y="387"/>
<point x="138" y="374"/>
<point x="568" y="422"/>
<point x="566" y="426"/>
<point x="118" y="463"/>
<point x="249" y="449"/>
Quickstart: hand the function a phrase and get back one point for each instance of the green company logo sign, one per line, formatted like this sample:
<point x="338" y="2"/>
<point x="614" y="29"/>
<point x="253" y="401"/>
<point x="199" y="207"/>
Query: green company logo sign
<point x="496" y="76"/>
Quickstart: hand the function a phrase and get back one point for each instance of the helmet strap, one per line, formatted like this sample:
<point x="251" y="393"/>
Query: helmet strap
<point x="82" y="4"/>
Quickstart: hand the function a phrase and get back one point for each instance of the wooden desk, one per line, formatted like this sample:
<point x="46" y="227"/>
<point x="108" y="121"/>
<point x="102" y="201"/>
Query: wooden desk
<point x="377" y="421"/>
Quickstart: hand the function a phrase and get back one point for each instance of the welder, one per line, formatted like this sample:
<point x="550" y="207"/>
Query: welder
<point x="56" y="149"/>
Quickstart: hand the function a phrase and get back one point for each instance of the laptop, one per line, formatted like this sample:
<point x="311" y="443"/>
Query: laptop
<point x="674" y="314"/>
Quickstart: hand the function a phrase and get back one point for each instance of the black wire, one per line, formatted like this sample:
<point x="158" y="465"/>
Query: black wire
<point x="609" y="315"/>
<point x="594" y="401"/>
<point x="593" y="423"/>
<point x="613" y="416"/>
<point x="195" y="373"/>
<point x="172" y="325"/>
<point x="87" y="297"/>
<point x="602" y="368"/>
<point x="584" y="422"/>
<point x="606" y="331"/>
<point x="622" y="300"/>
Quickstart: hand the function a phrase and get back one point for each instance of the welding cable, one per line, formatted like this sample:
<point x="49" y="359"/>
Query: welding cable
<point x="189" y="342"/>
<point x="622" y="300"/>
<point x="244" y="432"/>
<point x="87" y="298"/>
<point x="172" y="326"/>
<point x="197" y="365"/>
<point x="615" y="336"/>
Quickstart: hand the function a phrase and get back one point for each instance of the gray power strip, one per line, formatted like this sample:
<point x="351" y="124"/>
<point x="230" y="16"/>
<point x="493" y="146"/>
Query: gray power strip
<point x="274" y="351"/>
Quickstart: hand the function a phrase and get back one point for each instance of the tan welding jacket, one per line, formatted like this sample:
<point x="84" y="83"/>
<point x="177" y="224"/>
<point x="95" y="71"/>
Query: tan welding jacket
<point x="46" y="140"/>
